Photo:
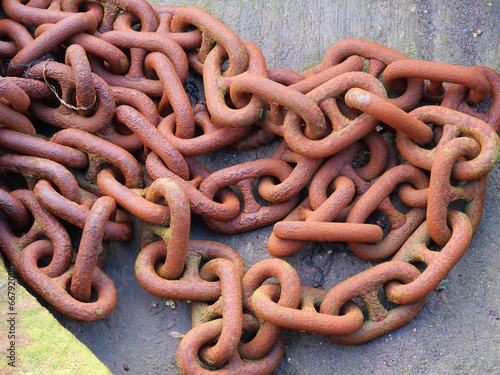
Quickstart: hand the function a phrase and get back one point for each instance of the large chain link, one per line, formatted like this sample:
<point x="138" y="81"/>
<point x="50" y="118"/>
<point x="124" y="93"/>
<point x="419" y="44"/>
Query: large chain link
<point x="112" y="76"/>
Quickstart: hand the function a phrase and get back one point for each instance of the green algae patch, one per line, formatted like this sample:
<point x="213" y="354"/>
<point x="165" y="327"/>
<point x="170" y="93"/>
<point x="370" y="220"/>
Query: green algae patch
<point x="41" y="344"/>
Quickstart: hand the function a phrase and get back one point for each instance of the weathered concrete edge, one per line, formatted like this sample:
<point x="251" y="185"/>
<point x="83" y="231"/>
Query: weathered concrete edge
<point x="41" y="344"/>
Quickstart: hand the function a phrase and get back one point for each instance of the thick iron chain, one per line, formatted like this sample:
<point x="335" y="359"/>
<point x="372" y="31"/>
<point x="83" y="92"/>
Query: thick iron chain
<point x="95" y="116"/>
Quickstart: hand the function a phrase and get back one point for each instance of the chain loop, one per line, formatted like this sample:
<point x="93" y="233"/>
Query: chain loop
<point x="345" y="132"/>
<point x="44" y="224"/>
<point x="468" y="126"/>
<point x="306" y="318"/>
<point x="86" y="260"/>
<point x="54" y="289"/>
<point x="439" y="263"/>
<point x="254" y="215"/>
<point x="377" y="198"/>
<point x="364" y="286"/>
<point x="176" y="236"/>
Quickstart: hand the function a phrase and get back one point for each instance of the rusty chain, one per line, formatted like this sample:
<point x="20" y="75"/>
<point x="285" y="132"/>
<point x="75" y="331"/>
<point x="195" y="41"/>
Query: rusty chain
<point x="95" y="117"/>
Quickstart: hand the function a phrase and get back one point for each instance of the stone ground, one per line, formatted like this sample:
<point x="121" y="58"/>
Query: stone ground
<point x="458" y="331"/>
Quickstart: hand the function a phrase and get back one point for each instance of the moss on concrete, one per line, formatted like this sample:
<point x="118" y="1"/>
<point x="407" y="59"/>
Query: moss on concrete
<point x="42" y="345"/>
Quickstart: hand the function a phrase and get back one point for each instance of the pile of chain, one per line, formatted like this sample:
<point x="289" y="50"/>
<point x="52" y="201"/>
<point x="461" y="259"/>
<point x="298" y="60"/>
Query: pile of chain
<point x="112" y="76"/>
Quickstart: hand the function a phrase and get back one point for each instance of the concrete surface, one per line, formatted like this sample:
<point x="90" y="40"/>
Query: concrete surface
<point x="295" y="34"/>
<point x="457" y="332"/>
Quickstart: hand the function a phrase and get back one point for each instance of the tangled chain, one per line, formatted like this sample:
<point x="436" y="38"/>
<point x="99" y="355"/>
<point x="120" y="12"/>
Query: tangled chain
<point x="111" y="75"/>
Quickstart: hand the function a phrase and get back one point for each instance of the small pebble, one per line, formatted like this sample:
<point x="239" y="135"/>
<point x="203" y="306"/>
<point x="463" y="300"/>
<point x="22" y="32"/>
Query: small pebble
<point x="125" y="367"/>
<point x="176" y="335"/>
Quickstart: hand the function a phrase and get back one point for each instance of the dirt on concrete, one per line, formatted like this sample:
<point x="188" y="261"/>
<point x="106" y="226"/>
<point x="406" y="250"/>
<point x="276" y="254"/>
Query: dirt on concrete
<point x="457" y="332"/>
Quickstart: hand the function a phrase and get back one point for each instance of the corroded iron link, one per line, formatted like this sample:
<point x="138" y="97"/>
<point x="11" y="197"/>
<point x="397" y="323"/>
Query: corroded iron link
<point x="364" y="285"/>
<point x="439" y="263"/>
<point x="115" y="76"/>
<point x="377" y="198"/>
<point x="176" y="235"/>
<point x="254" y="215"/>
<point x="190" y="286"/>
<point x="33" y="168"/>
<point x="44" y="224"/>
<point x="90" y="246"/>
<point x="232" y="311"/>
<point x="54" y="289"/>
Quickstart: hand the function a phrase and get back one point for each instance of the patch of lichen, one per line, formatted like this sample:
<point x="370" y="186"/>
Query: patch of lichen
<point x="53" y="349"/>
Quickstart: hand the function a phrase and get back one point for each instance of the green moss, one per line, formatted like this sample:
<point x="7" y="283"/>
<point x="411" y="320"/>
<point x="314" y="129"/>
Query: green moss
<point x="3" y="362"/>
<point x="312" y="65"/>
<point x="51" y="349"/>
<point x="275" y="7"/>
<point x="413" y="50"/>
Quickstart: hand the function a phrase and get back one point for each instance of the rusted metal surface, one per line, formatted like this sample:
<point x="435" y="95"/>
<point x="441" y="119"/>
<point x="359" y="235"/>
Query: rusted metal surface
<point x="129" y="135"/>
<point x="92" y="236"/>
